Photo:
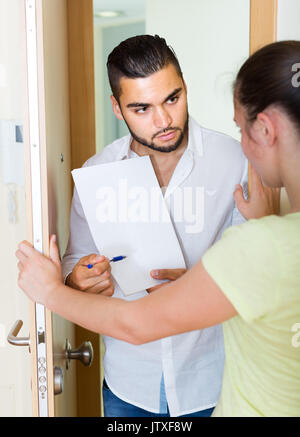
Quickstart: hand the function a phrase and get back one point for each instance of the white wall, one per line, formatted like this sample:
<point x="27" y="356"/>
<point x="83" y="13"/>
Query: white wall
<point x="288" y="22"/>
<point x="15" y="393"/>
<point x="211" y="40"/>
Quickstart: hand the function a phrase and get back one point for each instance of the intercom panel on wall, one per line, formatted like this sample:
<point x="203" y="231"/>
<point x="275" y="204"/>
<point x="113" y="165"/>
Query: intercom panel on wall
<point x="11" y="152"/>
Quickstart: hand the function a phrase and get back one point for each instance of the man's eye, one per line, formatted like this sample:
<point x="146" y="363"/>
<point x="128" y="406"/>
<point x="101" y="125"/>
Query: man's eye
<point x="173" y="99"/>
<point x="141" y="110"/>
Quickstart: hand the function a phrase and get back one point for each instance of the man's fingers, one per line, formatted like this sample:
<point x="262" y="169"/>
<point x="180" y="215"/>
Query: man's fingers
<point x="96" y="270"/>
<point x="150" y="290"/>
<point x="171" y="274"/>
<point x="101" y="267"/>
<point x="108" y="292"/>
<point x="91" y="259"/>
<point x="106" y="288"/>
<point x="97" y="283"/>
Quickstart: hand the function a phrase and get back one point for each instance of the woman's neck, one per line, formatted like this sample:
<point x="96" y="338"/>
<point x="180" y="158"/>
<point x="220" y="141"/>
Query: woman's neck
<point x="291" y="179"/>
<point x="289" y="160"/>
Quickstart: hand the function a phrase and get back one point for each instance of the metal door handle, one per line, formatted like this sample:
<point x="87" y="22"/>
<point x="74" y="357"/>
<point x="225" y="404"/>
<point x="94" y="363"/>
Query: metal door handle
<point x="12" y="336"/>
<point x="83" y="353"/>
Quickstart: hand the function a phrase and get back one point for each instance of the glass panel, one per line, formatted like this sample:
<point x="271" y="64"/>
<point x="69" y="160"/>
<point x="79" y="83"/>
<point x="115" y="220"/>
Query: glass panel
<point x="114" y="21"/>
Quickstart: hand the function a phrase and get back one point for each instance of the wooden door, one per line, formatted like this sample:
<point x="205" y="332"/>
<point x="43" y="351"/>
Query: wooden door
<point x="47" y="135"/>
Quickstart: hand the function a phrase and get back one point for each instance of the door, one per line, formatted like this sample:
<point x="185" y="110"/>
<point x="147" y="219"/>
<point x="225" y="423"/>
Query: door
<point x="52" y="342"/>
<point x="59" y="135"/>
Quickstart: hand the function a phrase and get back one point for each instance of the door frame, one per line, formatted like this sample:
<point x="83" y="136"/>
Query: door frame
<point x="263" y="31"/>
<point x="263" y="23"/>
<point x="83" y="146"/>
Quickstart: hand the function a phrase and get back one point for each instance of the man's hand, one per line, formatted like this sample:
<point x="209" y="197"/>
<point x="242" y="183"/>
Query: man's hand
<point x="170" y="274"/>
<point x="98" y="279"/>
<point x="263" y="200"/>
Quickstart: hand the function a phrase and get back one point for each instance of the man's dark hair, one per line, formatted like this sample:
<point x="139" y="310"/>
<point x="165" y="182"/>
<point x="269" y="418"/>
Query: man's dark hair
<point x="139" y="56"/>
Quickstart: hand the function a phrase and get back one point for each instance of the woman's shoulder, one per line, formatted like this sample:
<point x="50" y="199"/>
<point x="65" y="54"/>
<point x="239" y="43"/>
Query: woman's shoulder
<point x="287" y="226"/>
<point x="279" y="227"/>
<point x="271" y="237"/>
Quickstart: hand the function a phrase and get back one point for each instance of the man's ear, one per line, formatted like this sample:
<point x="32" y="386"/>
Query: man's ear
<point x="185" y="87"/>
<point x="116" y="108"/>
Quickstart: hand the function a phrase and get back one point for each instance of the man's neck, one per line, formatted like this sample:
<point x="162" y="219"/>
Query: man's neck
<point x="164" y="164"/>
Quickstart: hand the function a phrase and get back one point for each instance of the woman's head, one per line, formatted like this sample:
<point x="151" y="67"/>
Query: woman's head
<point x="266" y="90"/>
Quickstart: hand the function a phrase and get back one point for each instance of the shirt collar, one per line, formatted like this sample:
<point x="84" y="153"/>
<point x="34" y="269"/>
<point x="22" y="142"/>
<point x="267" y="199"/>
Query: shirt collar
<point x="124" y="151"/>
<point x="195" y="144"/>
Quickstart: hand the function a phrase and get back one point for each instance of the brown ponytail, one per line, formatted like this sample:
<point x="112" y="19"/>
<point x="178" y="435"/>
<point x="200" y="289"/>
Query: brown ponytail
<point x="271" y="77"/>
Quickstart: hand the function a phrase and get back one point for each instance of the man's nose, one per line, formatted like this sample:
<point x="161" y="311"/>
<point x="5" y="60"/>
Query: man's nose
<point x="162" y="119"/>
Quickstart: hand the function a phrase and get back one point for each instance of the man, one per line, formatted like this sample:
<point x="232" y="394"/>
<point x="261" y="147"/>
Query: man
<point x="180" y="375"/>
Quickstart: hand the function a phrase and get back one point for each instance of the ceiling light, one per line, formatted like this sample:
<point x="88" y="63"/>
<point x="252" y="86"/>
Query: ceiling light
<point x="108" y="14"/>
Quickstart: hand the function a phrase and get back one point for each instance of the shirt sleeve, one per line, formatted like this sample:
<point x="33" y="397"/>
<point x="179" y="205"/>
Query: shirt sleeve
<point x="245" y="264"/>
<point x="80" y="241"/>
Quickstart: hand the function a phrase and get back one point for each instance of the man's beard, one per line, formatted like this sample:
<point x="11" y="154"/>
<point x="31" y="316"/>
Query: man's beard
<point x="158" y="148"/>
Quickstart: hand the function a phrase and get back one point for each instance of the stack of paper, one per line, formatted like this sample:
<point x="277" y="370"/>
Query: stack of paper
<point x="127" y="215"/>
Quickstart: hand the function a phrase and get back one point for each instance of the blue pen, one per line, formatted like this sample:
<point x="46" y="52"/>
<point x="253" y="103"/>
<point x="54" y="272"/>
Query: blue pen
<point x="114" y="259"/>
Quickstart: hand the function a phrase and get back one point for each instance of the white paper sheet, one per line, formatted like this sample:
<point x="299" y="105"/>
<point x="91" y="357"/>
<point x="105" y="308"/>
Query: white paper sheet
<point x="127" y="215"/>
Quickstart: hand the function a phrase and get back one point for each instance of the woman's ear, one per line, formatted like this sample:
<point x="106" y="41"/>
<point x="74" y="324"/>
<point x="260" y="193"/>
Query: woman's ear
<point x="265" y="131"/>
<point x="116" y="108"/>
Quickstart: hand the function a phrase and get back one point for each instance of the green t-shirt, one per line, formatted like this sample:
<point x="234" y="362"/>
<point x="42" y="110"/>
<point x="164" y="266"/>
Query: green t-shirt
<point x="257" y="266"/>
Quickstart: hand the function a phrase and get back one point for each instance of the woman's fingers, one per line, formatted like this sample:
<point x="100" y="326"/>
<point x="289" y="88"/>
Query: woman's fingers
<point x="27" y="249"/>
<point x="241" y="202"/>
<point x="21" y="256"/>
<point x="53" y="250"/>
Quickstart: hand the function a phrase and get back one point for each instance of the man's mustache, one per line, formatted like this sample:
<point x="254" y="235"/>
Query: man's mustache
<point x="163" y="131"/>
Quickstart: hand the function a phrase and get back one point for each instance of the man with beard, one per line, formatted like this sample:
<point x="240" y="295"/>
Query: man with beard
<point x="179" y="375"/>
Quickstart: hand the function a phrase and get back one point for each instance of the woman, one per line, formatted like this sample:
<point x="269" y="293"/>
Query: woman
<point x="250" y="279"/>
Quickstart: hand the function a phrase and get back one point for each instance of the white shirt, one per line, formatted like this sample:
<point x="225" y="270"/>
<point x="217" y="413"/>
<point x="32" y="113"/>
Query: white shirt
<point x="191" y="363"/>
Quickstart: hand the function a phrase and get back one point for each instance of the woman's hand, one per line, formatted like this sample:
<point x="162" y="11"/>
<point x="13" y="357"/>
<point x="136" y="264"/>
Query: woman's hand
<point x="39" y="276"/>
<point x="262" y="201"/>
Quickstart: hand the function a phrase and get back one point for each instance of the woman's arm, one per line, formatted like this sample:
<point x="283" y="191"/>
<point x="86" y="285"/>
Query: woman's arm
<point x="192" y="302"/>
